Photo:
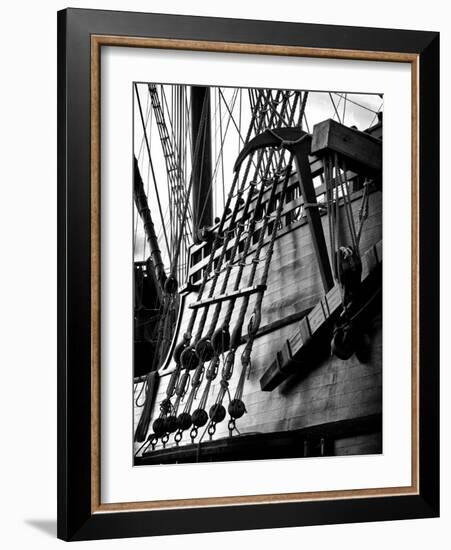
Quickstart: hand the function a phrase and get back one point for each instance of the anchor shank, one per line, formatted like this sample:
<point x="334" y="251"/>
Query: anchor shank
<point x="301" y="151"/>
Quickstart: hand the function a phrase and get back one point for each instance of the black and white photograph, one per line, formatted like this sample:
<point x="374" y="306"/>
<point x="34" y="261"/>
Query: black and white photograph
<point x="257" y="261"/>
<point x="225" y="280"/>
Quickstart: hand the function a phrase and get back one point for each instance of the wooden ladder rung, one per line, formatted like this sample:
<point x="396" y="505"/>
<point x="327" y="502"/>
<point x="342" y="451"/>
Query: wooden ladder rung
<point x="230" y="296"/>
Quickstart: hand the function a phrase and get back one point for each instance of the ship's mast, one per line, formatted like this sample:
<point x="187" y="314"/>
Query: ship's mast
<point x="201" y="164"/>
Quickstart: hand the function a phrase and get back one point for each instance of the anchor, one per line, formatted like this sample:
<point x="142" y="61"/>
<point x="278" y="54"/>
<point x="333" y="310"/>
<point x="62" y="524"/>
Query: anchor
<point x="298" y="143"/>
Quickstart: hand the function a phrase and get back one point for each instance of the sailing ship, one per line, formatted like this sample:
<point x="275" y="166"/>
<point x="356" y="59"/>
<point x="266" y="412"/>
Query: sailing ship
<point x="258" y="275"/>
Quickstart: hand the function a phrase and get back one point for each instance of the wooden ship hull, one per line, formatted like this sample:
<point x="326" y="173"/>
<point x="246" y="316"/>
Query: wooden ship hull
<point x="300" y="399"/>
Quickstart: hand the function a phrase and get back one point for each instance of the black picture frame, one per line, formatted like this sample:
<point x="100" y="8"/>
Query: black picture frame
<point x="76" y="519"/>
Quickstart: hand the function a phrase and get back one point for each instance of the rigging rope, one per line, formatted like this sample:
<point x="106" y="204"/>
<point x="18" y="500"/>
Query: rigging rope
<point x="335" y="107"/>
<point x="252" y="226"/>
<point x="203" y="350"/>
<point x="222" y="335"/>
<point x="170" y="288"/>
<point x="171" y="285"/>
<point x="236" y="406"/>
<point x="221" y="237"/>
<point x="190" y="356"/>
<point x="345" y="258"/>
<point x="166" y="422"/>
<point x="171" y="154"/>
<point x="151" y="163"/>
<point x="219" y="161"/>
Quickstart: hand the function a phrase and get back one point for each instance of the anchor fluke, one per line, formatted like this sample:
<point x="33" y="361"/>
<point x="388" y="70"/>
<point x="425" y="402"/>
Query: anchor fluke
<point x="270" y="138"/>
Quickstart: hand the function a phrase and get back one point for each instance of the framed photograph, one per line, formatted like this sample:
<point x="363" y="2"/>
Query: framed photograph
<point x="248" y="274"/>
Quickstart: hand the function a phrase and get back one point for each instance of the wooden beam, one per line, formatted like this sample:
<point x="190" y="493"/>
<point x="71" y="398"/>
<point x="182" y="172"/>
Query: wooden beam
<point x="229" y="296"/>
<point x="297" y="349"/>
<point x="301" y="155"/>
<point x="362" y="151"/>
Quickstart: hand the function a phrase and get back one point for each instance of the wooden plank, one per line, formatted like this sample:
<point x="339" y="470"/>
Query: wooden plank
<point x="282" y="444"/>
<point x="314" y="220"/>
<point x="312" y="325"/>
<point x="362" y="151"/>
<point x="327" y="393"/>
<point x="308" y="406"/>
<point x="332" y="371"/>
<point x="359" y="444"/>
<point x="229" y="296"/>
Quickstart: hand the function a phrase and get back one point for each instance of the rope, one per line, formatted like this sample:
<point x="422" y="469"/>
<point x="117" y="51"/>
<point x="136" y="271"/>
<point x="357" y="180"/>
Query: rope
<point x="219" y="161"/>
<point x="363" y="210"/>
<point x="284" y="142"/>
<point x="344" y="186"/>
<point x="151" y="163"/>
<point x="166" y="406"/>
<point x="335" y="107"/>
<point x="218" y="237"/>
<point x="143" y="387"/>
<point x="256" y="316"/>
<point x="226" y="239"/>
<point x="356" y="103"/>
<point x="178" y="189"/>
<point x="202" y="156"/>
<point x="228" y="365"/>
<point x="201" y="356"/>
<point x="330" y="211"/>
<point x="264" y="277"/>
<point x="236" y="406"/>
<point x="210" y="375"/>
<point x="255" y="260"/>
<point x="188" y="193"/>
<point x="237" y="243"/>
